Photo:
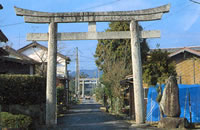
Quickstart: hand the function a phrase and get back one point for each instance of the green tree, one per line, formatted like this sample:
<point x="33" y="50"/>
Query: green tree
<point x="158" y="67"/>
<point x="83" y="75"/>
<point x="111" y="51"/>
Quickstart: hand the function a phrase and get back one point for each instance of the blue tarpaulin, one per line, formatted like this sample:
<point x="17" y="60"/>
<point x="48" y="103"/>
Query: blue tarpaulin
<point x="186" y="92"/>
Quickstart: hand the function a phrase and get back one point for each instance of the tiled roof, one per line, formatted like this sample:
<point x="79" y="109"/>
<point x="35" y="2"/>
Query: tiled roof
<point x="171" y="50"/>
<point x="189" y="50"/>
<point x="174" y="51"/>
<point x="21" y="56"/>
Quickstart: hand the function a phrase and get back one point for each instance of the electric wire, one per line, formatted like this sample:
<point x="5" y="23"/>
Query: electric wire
<point x="101" y="5"/>
<point x="169" y="16"/>
<point x="12" y="24"/>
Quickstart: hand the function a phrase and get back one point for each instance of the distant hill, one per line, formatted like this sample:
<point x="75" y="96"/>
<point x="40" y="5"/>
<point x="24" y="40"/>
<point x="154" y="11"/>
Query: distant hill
<point x="90" y="73"/>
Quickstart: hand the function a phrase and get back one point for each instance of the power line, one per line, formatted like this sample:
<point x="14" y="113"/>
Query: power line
<point x="12" y="24"/>
<point x="100" y="5"/>
<point x="195" y="1"/>
<point x="87" y="57"/>
<point x="172" y="14"/>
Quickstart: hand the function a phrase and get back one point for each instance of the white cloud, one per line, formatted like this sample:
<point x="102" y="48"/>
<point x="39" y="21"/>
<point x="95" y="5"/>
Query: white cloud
<point x="191" y="18"/>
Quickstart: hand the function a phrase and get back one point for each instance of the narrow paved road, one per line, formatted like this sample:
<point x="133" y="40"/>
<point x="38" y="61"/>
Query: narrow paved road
<point x="88" y="116"/>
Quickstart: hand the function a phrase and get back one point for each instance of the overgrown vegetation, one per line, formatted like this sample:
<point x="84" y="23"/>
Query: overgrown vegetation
<point x="158" y="67"/>
<point x="22" y="89"/>
<point x="9" y="120"/>
<point x="113" y="57"/>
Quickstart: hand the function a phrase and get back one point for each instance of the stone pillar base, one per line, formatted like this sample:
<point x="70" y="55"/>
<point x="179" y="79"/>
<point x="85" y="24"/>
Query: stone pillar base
<point x="173" y="122"/>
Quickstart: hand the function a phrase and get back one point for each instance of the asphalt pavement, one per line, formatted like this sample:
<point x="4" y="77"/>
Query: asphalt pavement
<point x="88" y="116"/>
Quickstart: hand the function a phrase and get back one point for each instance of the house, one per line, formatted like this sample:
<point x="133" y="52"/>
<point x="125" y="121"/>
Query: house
<point x="187" y="64"/>
<point x="12" y="62"/>
<point x="39" y="53"/>
<point x="187" y="60"/>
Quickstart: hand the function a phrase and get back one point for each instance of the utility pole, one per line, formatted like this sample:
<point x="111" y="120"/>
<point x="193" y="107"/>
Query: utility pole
<point x="196" y="2"/>
<point x="66" y="88"/>
<point x="77" y="86"/>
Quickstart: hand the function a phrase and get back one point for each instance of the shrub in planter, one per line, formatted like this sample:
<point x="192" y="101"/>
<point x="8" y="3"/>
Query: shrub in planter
<point x="9" y="120"/>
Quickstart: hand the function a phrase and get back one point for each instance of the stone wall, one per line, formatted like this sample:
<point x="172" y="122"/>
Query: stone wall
<point x="36" y="112"/>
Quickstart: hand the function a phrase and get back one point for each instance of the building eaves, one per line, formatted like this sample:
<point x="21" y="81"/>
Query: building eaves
<point x="35" y="44"/>
<point x="189" y="50"/>
<point x="172" y="50"/>
<point x="1" y="7"/>
<point x="23" y="57"/>
<point x="3" y="37"/>
<point x="20" y="61"/>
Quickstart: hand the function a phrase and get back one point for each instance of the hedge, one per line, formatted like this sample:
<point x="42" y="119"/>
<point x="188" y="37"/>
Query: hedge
<point x="22" y="89"/>
<point x="9" y="120"/>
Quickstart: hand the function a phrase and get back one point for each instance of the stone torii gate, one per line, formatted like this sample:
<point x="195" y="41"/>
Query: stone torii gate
<point x="84" y="81"/>
<point x="92" y="17"/>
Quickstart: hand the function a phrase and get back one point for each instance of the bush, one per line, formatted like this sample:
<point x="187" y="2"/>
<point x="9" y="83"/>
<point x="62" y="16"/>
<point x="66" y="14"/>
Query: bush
<point x="9" y="120"/>
<point x="60" y="94"/>
<point x="22" y="89"/>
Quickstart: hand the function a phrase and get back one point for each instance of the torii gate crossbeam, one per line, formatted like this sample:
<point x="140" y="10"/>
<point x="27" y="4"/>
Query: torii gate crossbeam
<point x="92" y="17"/>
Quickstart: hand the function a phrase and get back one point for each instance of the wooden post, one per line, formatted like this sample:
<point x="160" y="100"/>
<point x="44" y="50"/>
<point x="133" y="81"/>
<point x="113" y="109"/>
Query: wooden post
<point x="83" y="89"/>
<point x="137" y="73"/>
<point x="68" y="98"/>
<point x="51" y="100"/>
<point x="131" y="103"/>
<point x="66" y="84"/>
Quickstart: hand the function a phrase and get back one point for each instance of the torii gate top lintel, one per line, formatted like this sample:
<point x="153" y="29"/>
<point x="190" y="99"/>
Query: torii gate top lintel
<point x="31" y="16"/>
<point x="92" y="17"/>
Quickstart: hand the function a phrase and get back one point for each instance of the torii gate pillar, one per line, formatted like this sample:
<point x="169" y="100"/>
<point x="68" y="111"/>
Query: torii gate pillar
<point x="51" y="100"/>
<point x="137" y="72"/>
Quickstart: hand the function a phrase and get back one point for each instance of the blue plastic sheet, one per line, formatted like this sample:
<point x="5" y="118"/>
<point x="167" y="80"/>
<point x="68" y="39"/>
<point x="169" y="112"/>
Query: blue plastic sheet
<point x="186" y="92"/>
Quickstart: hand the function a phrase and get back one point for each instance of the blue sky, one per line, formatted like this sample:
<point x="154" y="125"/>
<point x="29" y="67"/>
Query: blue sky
<point x="179" y="28"/>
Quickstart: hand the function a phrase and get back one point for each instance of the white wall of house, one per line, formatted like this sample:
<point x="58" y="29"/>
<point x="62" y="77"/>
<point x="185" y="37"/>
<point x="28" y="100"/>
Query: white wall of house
<point x="41" y="55"/>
